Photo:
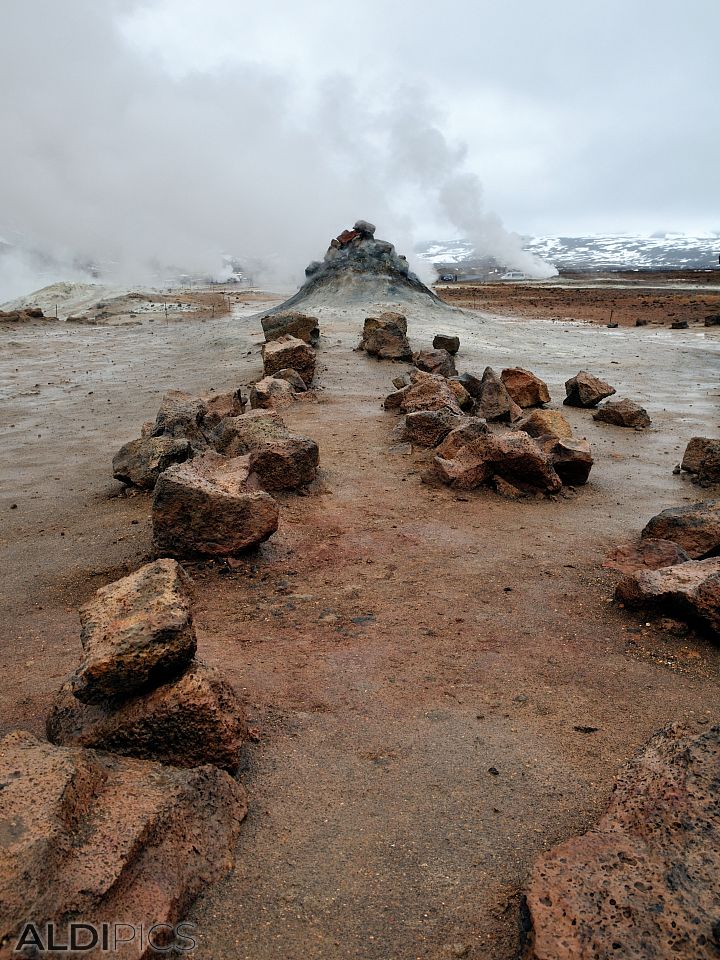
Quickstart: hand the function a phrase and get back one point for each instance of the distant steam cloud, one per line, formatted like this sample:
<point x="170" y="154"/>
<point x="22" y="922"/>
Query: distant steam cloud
<point x="109" y="160"/>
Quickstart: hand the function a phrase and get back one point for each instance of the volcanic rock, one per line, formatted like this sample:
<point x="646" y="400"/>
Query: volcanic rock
<point x="679" y="325"/>
<point x="181" y="416"/>
<point x="287" y="463"/>
<point x="702" y="458"/>
<point x="191" y="720"/>
<point x="470" y="428"/>
<point x="428" y="427"/>
<point x="442" y="341"/>
<point x="95" y="836"/>
<point x="542" y="423"/>
<point x="239" y="435"/>
<point x="623" y="413"/>
<point x="493" y="400"/>
<point x="205" y="507"/>
<point x="291" y="352"/>
<point x="585" y="390"/>
<point x="272" y="393"/>
<point x="472" y="384"/>
<point x="514" y="457"/>
<point x="291" y="323"/>
<point x="524" y="387"/>
<point x="645" y="555"/>
<point x="642" y="884"/>
<point x="435" y="361"/>
<point x="221" y="405"/>
<point x="135" y="632"/>
<point x="695" y="527"/>
<point x="691" y="590"/>
<point x="293" y="378"/>
<point x="140" y="462"/>
<point x="427" y="392"/>
<point x="385" y="337"/>
<point x="572" y="459"/>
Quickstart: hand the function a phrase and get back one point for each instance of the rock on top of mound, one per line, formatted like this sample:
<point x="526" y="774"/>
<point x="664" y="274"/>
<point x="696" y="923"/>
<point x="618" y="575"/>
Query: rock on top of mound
<point x="358" y="268"/>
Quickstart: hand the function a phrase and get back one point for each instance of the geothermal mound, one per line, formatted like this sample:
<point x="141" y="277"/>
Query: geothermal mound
<point x="358" y="269"/>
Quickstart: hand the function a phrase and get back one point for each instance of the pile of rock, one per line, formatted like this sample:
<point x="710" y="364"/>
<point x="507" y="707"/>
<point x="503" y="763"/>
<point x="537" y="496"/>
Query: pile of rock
<point x="139" y="690"/>
<point x="687" y="584"/>
<point x="539" y="456"/>
<point x="702" y="460"/>
<point x="289" y="361"/>
<point x="643" y="882"/>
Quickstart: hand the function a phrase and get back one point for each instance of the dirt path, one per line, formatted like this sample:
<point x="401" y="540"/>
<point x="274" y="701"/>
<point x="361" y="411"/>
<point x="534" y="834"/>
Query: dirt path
<point x="393" y="642"/>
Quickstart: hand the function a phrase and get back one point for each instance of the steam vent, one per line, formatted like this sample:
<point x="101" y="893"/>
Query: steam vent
<point x="359" y="269"/>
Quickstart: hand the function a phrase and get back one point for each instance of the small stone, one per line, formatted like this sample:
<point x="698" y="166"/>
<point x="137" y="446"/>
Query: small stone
<point x="442" y="341"/>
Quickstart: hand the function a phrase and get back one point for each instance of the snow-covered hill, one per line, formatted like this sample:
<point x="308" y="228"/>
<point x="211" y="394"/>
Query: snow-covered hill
<point x="668" y="251"/>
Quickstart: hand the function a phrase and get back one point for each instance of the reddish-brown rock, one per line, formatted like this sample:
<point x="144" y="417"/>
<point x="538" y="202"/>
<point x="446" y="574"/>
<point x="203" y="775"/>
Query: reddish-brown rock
<point x="191" y="720"/>
<point x="585" y="390"/>
<point x="428" y="392"/>
<point x="288" y="351"/>
<point x="493" y="402"/>
<point x="443" y="341"/>
<point x="470" y="428"/>
<point x="135" y="632"/>
<point x="645" y="555"/>
<point x="439" y="362"/>
<point x="702" y="458"/>
<point x="385" y="337"/>
<point x="140" y="462"/>
<point x="690" y="590"/>
<point x="97" y="837"/>
<point x="428" y="427"/>
<point x="514" y="457"/>
<point x="572" y="459"/>
<point x="278" y="459"/>
<point x="205" y="507"/>
<point x="695" y="527"/>
<point x="181" y="415"/>
<point x="623" y="413"/>
<point x="272" y="393"/>
<point x="526" y="389"/>
<point x="642" y="884"/>
<point x="293" y="324"/>
<point x="465" y="401"/>
<point x="546" y="423"/>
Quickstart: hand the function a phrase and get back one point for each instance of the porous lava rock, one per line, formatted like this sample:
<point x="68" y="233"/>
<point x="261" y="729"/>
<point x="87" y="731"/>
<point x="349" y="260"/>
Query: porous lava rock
<point x="585" y="390"/>
<point x="435" y="361"/>
<point x="541" y="423"/>
<point x="694" y="527"/>
<point x="278" y="459"/>
<point x="524" y="387"/>
<point x="642" y="884"/>
<point x="427" y="392"/>
<point x="623" y="413"/>
<point x="702" y="459"/>
<point x="470" y="428"/>
<point x="646" y="554"/>
<point x="272" y="393"/>
<point x="385" y="337"/>
<point x="572" y="459"/>
<point x="443" y="341"/>
<point x="288" y="351"/>
<point x="515" y="457"/>
<point x="291" y="323"/>
<point x="690" y="590"/>
<point x="140" y="462"/>
<point x="428" y="427"/>
<point x="493" y="402"/>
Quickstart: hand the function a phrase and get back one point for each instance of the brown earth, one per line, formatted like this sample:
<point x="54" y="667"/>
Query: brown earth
<point x="659" y="299"/>
<point x="440" y="685"/>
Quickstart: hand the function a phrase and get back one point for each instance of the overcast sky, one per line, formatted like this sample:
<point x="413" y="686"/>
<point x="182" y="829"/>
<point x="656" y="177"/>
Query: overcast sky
<point x="176" y="128"/>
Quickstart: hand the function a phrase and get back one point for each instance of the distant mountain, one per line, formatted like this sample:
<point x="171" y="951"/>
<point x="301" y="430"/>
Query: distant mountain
<point x="661" y="251"/>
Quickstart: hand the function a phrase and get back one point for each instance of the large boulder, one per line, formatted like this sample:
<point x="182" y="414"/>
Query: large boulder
<point x="546" y="423"/>
<point x="585" y="390"/>
<point x="239" y="435"/>
<point x="272" y="393"/>
<point x="97" y="837"/>
<point x="221" y="405"/>
<point x="513" y="457"/>
<point x="691" y="590"/>
<point x="702" y="458"/>
<point x="642" y="884"/>
<point x="278" y="459"/>
<point x="140" y="462"/>
<point x="385" y="337"/>
<point x="427" y="428"/>
<point x="695" y="527"/>
<point x="439" y="362"/>
<point x="623" y="413"/>
<point x="443" y="341"/>
<point x="494" y="403"/>
<point x="427" y="392"/>
<point x="526" y="389"/>
<point x="181" y="415"/>
<point x="469" y="428"/>
<point x="290" y="352"/>
<point x="188" y="721"/>
<point x="135" y="632"/>
<point x="205" y="508"/>
<point x="291" y="323"/>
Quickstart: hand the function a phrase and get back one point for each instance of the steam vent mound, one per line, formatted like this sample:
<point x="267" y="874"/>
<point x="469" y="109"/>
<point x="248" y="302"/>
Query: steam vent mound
<point x="358" y="269"/>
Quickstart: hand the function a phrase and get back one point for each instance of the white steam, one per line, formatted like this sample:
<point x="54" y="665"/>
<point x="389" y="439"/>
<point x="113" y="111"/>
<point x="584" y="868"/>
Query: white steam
<point x="110" y="160"/>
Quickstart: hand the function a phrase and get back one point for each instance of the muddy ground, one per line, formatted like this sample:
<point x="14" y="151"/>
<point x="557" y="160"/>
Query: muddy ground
<point x="394" y="643"/>
<point x="656" y="299"/>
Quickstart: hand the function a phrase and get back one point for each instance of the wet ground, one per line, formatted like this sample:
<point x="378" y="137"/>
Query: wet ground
<point x="419" y="666"/>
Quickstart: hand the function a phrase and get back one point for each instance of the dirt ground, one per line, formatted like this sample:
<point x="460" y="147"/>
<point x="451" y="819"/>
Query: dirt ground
<point x="657" y="299"/>
<point x="419" y="667"/>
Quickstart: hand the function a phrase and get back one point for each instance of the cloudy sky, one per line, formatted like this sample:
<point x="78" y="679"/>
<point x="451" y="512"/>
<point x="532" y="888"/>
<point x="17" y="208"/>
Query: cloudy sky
<point x="170" y="130"/>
